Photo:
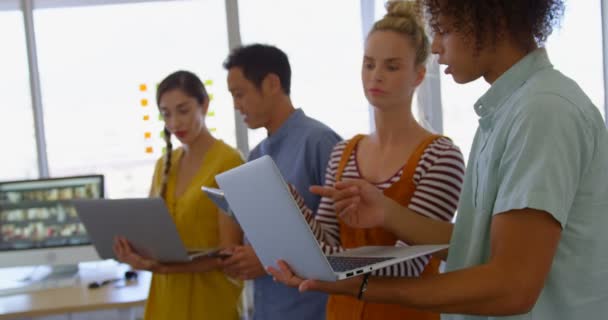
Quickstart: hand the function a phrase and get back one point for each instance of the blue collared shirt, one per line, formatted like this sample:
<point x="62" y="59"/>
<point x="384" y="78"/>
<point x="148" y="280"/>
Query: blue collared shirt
<point x="541" y="144"/>
<point x="301" y="148"/>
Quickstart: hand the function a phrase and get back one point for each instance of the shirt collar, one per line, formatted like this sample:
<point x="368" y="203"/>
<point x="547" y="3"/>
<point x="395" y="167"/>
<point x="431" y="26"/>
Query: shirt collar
<point x="510" y="81"/>
<point x="286" y="127"/>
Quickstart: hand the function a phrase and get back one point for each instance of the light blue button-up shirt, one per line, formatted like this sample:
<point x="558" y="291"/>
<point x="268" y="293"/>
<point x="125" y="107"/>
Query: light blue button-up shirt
<point x="301" y="148"/>
<point x="541" y="144"/>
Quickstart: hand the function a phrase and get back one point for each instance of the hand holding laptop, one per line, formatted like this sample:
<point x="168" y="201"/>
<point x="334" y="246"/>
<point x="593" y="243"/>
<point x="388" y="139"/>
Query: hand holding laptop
<point x="285" y="275"/>
<point x="107" y="219"/>
<point x="277" y="229"/>
<point x="126" y="254"/>
<point x="243" y="264"/>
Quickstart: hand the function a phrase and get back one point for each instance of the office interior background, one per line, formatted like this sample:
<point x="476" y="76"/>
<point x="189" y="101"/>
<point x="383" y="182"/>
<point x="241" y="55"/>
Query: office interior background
<point x="78" y="77"/>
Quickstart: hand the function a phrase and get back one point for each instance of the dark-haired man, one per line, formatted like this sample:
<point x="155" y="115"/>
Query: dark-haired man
<point x="259" y="79"/>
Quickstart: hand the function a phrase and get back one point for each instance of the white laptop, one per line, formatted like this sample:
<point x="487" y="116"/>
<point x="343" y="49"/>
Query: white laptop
<point x="271" y="219"/>
<point x="145" y="222"/>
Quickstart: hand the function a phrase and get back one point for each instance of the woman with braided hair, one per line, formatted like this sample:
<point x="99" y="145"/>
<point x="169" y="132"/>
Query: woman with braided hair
<point x="196" y="289"/>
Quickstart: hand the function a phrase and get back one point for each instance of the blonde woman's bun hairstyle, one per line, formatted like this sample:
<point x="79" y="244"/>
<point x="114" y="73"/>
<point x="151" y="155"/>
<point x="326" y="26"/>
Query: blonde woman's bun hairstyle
<point x="405" y="17"/>
<point x="402" y="9"/>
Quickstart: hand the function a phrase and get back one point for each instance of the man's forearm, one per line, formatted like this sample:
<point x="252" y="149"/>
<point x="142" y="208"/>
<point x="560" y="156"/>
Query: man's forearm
<point x="477" y="290"/>
<point x="414" y="228"/>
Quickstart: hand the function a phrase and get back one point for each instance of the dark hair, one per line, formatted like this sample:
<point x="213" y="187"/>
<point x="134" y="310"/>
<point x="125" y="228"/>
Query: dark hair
<point x="192" y="86"/>
<point x="257" y="61"/>
<point x="489" y="20"/>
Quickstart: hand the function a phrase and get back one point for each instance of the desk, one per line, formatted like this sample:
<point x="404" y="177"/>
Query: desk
<point x="78" y="298"/>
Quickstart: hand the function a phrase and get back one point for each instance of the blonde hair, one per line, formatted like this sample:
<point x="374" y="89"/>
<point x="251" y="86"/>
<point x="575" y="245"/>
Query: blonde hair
<point x="405" y="17"/>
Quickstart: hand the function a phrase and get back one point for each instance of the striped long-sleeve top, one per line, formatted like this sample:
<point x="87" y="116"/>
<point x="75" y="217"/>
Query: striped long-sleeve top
<point x="438" y="179"/>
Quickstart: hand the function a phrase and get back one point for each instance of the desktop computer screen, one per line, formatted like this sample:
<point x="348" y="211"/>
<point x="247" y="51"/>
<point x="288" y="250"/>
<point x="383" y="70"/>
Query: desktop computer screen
<point x="38" y="226"/>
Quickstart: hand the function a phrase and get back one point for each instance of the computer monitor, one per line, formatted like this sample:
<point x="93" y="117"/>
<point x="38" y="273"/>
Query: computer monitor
<point x="38" y="226"/>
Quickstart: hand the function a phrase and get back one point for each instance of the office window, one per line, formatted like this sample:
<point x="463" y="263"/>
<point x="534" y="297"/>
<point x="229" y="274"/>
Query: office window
<point x="99" y="68"/>
<point x="323" y="42"/>
<point x="17" y="123"/>
<point x="575" y="49"/>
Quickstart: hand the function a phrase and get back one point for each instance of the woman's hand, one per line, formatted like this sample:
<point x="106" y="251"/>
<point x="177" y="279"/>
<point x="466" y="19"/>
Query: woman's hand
<point x="357" y="202"/>
<point x="286" y="276"/>
<point x="126" y="254"/>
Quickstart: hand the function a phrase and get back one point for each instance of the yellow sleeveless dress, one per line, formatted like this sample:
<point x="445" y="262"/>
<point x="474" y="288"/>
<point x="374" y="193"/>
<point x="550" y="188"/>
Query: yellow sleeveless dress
<point x="207" y="295"/>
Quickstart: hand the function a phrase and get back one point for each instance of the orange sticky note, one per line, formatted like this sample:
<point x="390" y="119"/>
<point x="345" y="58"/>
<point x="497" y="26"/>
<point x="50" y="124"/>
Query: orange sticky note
<point x="143" y="87"/>
<point x="148" y="135"/>
<point x="149" y="150"/>
<point x="146" y="117"/>
<point x="144" y="102"/>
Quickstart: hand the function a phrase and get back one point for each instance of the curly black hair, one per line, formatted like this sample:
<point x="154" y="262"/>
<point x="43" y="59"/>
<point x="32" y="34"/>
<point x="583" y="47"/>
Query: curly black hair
<point x="489" y="20"/>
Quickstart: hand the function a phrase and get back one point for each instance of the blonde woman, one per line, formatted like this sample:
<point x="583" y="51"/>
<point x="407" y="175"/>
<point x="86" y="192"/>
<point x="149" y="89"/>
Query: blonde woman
<point x="419" y="170"/>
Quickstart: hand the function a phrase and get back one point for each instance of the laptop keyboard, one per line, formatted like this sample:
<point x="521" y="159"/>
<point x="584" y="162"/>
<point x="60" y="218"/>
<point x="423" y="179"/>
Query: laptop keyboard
<point x="341" y="264"/>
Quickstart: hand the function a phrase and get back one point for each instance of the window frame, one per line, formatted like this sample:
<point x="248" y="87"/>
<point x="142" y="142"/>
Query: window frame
<point x="428" y="104"/>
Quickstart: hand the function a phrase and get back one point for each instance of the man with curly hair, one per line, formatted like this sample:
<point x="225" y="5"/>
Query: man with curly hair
<point x="530" y="238"/>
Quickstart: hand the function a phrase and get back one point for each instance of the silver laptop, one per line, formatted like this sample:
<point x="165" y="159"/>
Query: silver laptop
<point x="275" y="227"/>
<point x="218" y="198"/>
<point x="145" y="222"/>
